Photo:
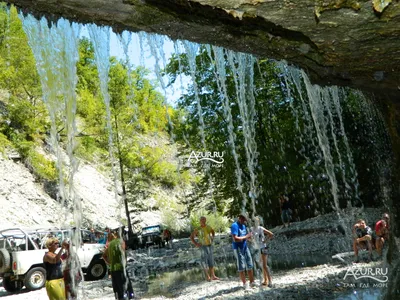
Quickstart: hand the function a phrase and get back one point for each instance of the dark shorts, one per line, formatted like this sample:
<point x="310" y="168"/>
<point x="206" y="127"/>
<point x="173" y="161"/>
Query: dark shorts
<point x="265" y="250"/>
<point x="207" y="256"/>
<point x="257" y="252"/>
<point x="285" y="216"/>
<point x="118" y="283"/>
<point x="364" y="244"/>
<point x="243" y="259"/>
<point x="376" y="237"/>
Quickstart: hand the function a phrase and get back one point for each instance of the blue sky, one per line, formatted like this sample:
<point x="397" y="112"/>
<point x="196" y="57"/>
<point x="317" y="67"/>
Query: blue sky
<point x="145" y="57"/>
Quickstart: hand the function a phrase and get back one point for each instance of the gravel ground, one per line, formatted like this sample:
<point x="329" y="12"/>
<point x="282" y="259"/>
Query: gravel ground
<point x="319" y="282"/>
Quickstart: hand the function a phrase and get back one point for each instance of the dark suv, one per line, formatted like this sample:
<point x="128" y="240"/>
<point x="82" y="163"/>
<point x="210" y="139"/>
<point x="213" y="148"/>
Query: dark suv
<point x="152" y="236"/>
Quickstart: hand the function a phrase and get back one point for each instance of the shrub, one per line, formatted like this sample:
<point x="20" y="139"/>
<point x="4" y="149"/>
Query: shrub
<point x="217" y="221"/>
<point x="176" y="225"/>
<point x="41" y="167"/>
<point x="165" y="173"/>
<point x="4" y="143"/>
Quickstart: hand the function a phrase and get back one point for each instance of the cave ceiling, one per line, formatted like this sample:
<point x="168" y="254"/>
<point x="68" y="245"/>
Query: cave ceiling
<point x="344" y="42"/>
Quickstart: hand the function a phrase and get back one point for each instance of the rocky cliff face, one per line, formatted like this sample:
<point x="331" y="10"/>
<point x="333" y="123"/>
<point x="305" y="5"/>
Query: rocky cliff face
<point x="24" y="202"/>
<point x="345" y="42"/>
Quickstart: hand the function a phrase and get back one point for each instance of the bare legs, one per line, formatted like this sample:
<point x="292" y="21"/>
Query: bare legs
<point x="266" y="275"/>
<point x="210" y="274"/>
<point x="356" y="244"/>
<point x="242" y="276"/>
<point x="379" y="245"/>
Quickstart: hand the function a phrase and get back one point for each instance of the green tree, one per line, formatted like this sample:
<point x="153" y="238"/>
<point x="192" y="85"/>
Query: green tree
<point x="25" y="117"/>
<point x="290" y="159"/>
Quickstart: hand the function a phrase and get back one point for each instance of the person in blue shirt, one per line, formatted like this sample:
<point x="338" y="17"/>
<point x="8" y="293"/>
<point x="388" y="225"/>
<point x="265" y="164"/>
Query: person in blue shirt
<point x="104" y="239"/>
<point x="242" y="251"/>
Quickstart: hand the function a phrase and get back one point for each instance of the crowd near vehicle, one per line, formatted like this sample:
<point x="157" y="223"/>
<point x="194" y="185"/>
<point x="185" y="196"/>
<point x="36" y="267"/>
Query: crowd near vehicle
<point x="22" y="251"/>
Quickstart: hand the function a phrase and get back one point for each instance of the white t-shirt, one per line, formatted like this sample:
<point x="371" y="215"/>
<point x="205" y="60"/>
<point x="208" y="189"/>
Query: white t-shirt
<point x="258" y="237"/>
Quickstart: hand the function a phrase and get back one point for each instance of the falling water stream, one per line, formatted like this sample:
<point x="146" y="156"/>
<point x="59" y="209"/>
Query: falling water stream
<point x="56" y="52"/>
<point x="220" y="74"/>
<point x="243" y="73"/>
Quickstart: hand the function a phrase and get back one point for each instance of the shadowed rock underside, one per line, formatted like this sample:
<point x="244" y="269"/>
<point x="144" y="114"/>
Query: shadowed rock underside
<point x="344" y="42"/>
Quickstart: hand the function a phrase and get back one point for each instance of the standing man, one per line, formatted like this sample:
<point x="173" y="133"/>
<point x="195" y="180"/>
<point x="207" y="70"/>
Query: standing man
<point x="92" y="236"/>
<point x="114" y="256"/>
<point x="241" y="250"/>
<point x="167" y="236"/>
<point x="285" y="210"/>
<point x="205" y="235"/>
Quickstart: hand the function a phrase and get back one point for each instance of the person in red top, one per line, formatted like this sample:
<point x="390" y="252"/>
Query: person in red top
<point x="381" y="233"/>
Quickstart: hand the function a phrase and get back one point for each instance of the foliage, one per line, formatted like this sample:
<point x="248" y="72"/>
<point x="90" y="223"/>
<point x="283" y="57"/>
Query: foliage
<point x="176" y="225"/>
<point x="25" y="116"/>
<point x="289" y="128"/>
<point x="41" y="166"/>
<point x="137" y="109"/>
<point x="4" y="143"/>
<point x="138" y="119"/>
<point x="289" y="150"/>
<point x="23" y="122"/>
<point x="217" y="221"/>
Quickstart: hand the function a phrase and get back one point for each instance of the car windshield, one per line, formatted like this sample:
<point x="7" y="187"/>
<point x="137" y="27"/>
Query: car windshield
<point x="151" y="229"/>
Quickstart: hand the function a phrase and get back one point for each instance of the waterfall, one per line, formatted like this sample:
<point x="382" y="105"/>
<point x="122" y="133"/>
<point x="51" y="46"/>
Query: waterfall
<point x="156" y="45"/>
<point x="56" y="53"/>
<point x="191" y="52"/>
<point x="125" y="39"/>
<point x="243" y="73"/>
<point x="220" y="74"/>
<point x="100" y="36"/>
<point x="317" y="113"/>
<point x="46" y="46"/>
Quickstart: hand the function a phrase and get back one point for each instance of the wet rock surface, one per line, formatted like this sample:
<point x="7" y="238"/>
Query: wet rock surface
<point x="348" y="43"/>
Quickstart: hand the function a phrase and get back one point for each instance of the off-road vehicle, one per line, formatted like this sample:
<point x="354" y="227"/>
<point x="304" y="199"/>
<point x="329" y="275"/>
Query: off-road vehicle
<point x="22" y="251"/>
<point x="152" y="236"/>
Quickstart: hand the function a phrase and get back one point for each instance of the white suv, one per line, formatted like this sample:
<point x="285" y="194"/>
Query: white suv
<point x="22" y="251"/>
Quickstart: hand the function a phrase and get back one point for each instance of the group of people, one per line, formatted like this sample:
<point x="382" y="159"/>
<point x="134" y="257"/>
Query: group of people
<point x="248" y="245"/>
<point x="365" y="238"/>
<point x="61" y="284"/>
<point x="99" y="237"/>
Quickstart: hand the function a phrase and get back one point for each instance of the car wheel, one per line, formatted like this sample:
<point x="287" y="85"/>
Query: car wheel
<point x="35" y="279"/>
<point x="12" y="286"/>
<point x="5" y="260"/>
<point x="97" y="270"/>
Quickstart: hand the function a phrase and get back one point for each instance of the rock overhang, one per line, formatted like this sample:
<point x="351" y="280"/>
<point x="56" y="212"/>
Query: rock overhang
<point x="343" y="42"/>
